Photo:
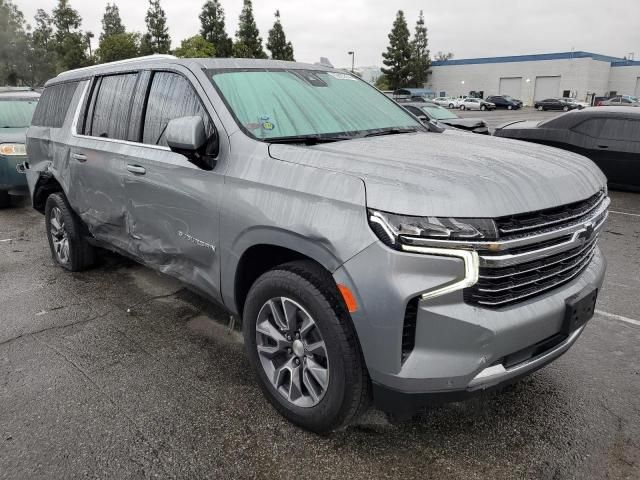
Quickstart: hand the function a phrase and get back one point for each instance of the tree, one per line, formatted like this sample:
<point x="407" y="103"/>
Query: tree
<point x="119" y="46"/>
<point x="443" y="57"/>
<point x="157" y="39"/>
<point x="42" y="56"/>
<point x="420" y="61"/>
<point x="213" y="30"/>
<point x="14" y="46"/>
<point x="398" y="55"/>
<point x="277" y="42"/>
<point x="195" y="47"/>
<point x="111" y="21"/>
<point x="70" y="42"/>
<point x="248" y="42"/>
<point x="382" y="82"/>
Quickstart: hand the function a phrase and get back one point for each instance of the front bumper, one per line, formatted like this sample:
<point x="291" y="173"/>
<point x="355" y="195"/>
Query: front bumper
<point x="10" y="179"/>
<point x="456" y="345"/>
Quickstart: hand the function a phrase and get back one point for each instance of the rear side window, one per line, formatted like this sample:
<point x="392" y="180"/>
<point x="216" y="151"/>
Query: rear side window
<point x="171" y="96"/>
<point x="110" y="109"/>
<point x="53" y="105"/>
<point x="621" y="129"/>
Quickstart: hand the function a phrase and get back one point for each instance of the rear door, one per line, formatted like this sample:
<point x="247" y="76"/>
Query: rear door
<point x="99" y="147"/>
<point x="173" y="205"/>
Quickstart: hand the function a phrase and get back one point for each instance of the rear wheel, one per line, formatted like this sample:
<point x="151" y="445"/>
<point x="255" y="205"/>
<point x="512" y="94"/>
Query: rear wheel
<point x="303" y="348"/>
<point x="69" y="248"/>
<point x="462" y="107"/>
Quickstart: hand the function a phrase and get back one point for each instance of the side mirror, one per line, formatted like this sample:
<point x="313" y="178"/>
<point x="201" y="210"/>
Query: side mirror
<point x="186" y="134"/>
<point x="423" y="118"/>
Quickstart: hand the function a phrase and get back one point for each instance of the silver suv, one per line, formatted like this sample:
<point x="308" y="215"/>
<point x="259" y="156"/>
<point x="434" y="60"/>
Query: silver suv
<point x="369" y="258"/>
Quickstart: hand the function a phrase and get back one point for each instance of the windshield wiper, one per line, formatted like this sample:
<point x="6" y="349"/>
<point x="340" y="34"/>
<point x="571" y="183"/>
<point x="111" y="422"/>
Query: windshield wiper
<point x="309" y="139"/>
<point x="390" y="131"/>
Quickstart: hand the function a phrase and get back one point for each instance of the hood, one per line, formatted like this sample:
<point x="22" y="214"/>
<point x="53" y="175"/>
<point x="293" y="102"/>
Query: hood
<point x="466" y="123"/>
<point x="518" y="124"/>
<point x="454" y="173"/>
<point x="13" y="135"/>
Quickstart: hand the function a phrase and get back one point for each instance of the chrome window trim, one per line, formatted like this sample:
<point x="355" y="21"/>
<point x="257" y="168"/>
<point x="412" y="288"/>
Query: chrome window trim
<point x="75" y="134"/>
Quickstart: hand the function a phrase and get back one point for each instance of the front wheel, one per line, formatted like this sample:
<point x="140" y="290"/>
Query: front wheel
<point x="509" y="107"/>
<point x="451" y="105"/>
<point x="303" y="348"/>
<point x="483" y="108"/>
<point x="540" y="108"/>
<point x="69" y="248"/>
<point x="462" y="107"/>
<point x="565" y="109"/>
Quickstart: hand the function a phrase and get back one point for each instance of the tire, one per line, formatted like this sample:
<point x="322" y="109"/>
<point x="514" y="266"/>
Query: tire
<point x="307" y="289"/>
<point x="540" y="108"/>
<point x="5" y="199"/>
<point x="462" y="107"/>
<point x="65" y="232"/>
<point x="451" y="105"/>
<point x="509" y="107"/>
<point x="565" y="109"/>
<point x="483" y="108"/>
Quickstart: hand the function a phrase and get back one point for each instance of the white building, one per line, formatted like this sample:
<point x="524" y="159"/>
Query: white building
<point x="582" y="75"/>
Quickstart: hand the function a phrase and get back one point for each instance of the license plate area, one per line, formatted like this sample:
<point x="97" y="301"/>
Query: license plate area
<point x="579" y="310"/>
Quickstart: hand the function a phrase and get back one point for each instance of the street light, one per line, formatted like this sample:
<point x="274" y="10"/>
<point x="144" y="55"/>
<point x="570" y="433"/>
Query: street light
<point x="353" y="60"/>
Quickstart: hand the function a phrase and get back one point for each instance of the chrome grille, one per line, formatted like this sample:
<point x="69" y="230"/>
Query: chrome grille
<point x="537" y="252"/>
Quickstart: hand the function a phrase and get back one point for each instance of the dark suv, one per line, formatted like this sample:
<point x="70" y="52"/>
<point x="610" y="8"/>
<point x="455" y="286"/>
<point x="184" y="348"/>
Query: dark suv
<point x="505" y="101"/>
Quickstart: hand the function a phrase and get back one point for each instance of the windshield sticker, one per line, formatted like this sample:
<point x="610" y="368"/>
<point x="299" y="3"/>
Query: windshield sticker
<point x="267" y="125"/>
<point x="342" y="76"/>
<point x="252" y="126"/>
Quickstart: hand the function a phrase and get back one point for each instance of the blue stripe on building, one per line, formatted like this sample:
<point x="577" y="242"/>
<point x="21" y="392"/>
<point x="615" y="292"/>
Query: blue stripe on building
<point x="615" y="61"/>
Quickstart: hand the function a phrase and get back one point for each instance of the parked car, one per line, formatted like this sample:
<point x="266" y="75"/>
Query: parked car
<point x="610" y="136"/>
<point x="16" y="109"/>
<point x="620" y="101"/>
<point x="580" y="104"/>
<point x="505" y="101"/>
<point x="554" y="104"/>
<point x="444" y="101"/>
<point x="368" y="258"/>
<point x="476" y="104"/>
<point x="430" y="112"/>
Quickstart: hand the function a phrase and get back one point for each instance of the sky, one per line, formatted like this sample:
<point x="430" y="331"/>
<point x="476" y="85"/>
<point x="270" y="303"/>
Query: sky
<point x="468" y="28"/>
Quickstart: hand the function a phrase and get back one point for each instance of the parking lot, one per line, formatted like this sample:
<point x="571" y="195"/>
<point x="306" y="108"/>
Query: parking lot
<point x="120" y="372"/>
<point x="498" y="117"/>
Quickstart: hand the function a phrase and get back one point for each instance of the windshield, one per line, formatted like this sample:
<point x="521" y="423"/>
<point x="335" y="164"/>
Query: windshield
<point x="272" y="104"/>
<point x="16" y="113"/>
<point x="438" y="112"/>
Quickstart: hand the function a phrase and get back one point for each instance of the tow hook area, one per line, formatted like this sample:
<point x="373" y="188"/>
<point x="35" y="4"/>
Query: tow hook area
<point x="22" y="167"/>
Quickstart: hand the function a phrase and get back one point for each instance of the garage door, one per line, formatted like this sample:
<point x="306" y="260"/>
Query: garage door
<point x="637" y="94"/>
<point x="511" y="86"/>
<point x="547" y="87"/>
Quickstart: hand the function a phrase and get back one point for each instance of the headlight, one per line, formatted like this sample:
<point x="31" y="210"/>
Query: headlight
<point x="392" y="228"/>
<point x="13" y="149"/>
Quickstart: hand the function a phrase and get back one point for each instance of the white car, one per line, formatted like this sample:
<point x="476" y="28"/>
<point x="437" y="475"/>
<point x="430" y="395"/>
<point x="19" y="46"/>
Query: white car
<point x="581" y="105"/>
<point x="443" y="101"/>
<point x="476" y="104"/>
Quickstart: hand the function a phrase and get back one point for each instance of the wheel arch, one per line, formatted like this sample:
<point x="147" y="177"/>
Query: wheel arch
<point x="262" y="250"/>
<point x="45" y="186"/>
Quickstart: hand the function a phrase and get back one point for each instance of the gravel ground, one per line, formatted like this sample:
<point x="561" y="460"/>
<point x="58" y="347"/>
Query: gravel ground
<point x="120" y="372"/>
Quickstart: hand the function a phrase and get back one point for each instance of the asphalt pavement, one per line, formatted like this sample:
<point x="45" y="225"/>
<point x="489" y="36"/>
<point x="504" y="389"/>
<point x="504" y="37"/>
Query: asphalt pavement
<point x="120" y="372"/>
<point x="498" y="117"/>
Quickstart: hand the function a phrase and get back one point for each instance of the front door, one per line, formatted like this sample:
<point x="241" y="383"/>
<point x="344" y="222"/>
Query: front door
<point x="173" y="205"/>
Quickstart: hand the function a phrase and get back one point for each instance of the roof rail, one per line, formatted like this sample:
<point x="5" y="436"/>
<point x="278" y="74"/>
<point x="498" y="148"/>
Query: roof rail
<point x="118" y="62"/>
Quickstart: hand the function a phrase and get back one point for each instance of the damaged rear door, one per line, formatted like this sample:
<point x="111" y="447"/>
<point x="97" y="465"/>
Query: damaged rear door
<point x="173" y="204"/>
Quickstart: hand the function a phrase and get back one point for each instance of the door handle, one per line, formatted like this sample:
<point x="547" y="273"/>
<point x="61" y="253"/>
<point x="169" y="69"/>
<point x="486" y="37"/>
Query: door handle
<point x="79" y="157"/>
<point x="136" y="169"/>
<point x="603" y="146"/>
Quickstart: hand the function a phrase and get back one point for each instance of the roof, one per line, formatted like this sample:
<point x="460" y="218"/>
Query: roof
<point x="152" y="61"/>
<point x="530" y="58"/>
<point x="626" y="63"/>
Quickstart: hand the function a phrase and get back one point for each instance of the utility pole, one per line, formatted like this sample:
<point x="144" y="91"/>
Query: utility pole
<point x="353" y="60"/>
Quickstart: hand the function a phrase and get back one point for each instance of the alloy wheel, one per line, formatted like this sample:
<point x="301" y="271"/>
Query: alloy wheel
<point x="59" y="235"/>
<point x="292" y="352"/>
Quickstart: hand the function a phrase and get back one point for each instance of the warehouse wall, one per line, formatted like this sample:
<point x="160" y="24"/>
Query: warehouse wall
<point x="579" y="75"/>
<point x="624" y="80"/>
